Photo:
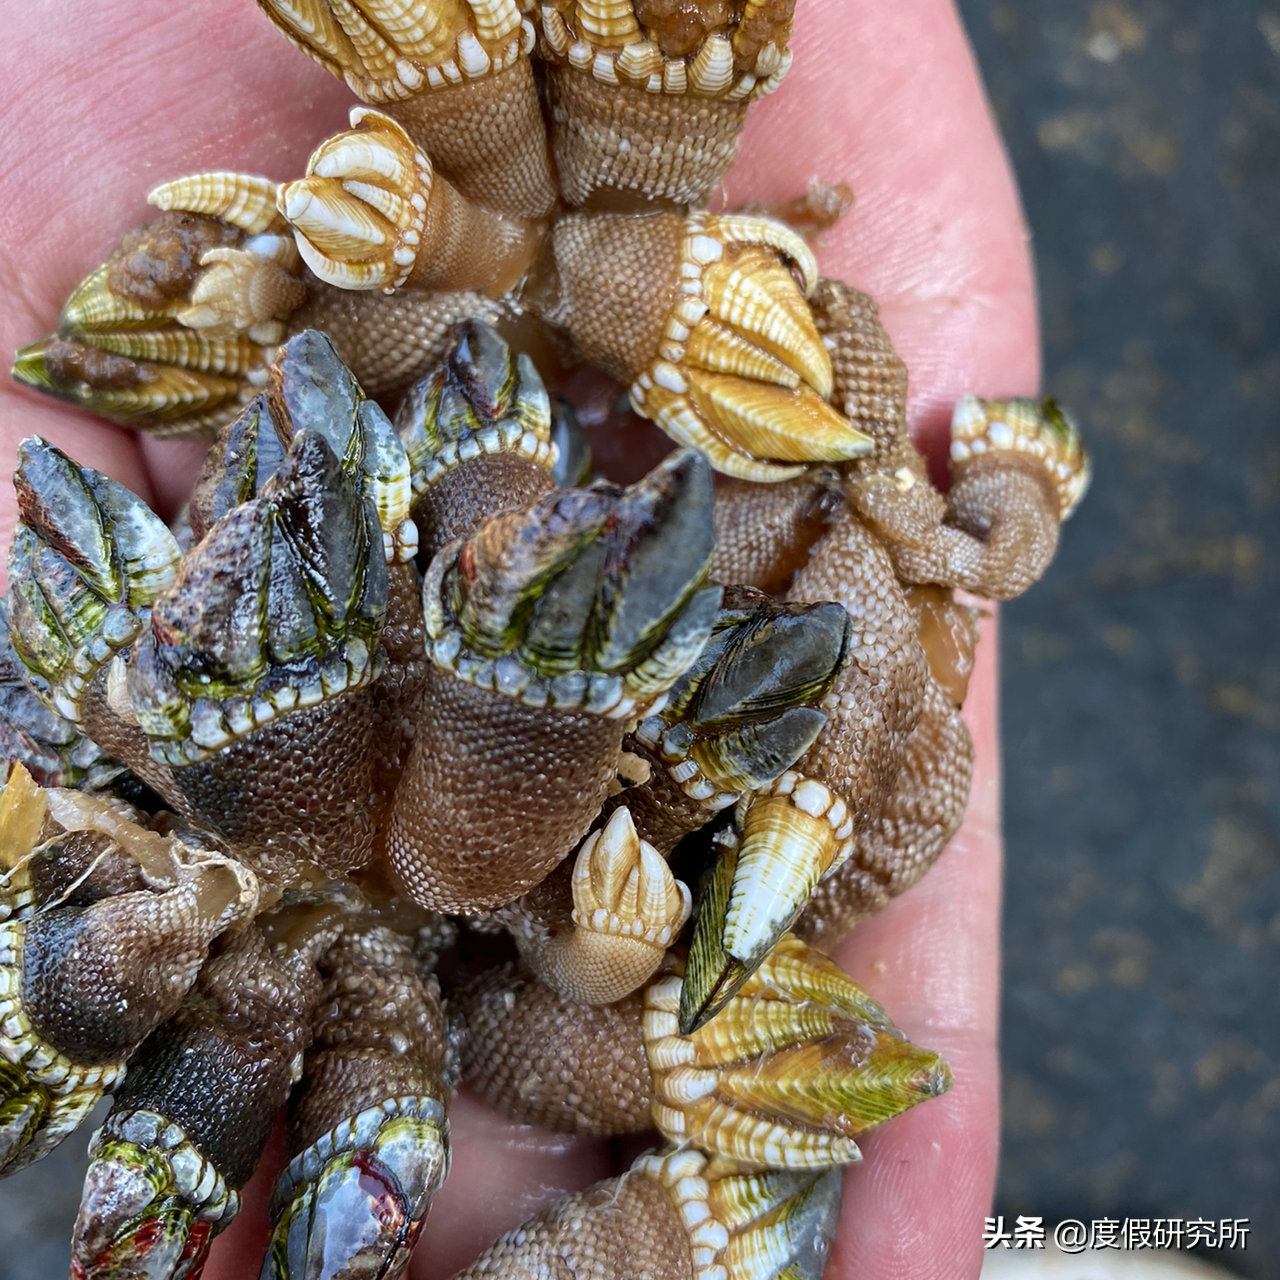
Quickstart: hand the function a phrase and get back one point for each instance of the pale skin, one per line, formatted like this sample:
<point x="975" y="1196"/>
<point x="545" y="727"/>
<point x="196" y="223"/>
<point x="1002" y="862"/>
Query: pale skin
<point x="883" y="96"/>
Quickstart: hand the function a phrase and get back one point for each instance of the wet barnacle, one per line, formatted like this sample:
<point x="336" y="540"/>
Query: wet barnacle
<point x="667" y="735"/>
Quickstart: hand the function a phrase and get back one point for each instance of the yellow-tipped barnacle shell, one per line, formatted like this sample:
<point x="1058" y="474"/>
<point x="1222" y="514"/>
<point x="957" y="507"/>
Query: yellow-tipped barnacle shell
<point x="795" y="832"/>
<point x="359" y="214"/>
<point x="372" y="214"/>
<point x="797" y="1064"/>
<point x="623" y="888"/>
<point x="22" y="809"/>
<point x="1038" y="429"/>
<point x="742" y="373"/>
<point x="627" y="910"/>
<point x="749" y="1225"/>
<point x="242" y="199"/>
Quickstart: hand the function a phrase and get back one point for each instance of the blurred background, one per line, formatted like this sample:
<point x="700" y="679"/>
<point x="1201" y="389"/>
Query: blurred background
<point x="1142" y="678"/>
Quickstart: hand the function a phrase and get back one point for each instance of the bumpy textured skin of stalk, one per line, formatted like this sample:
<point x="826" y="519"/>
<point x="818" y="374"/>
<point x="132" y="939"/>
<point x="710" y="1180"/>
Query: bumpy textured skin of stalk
<point x="678" y="1216"/>
<point x="911" y="830"/>
<point x="648" y="102"/>
<point x="51" y="748"/>
<point x="368" y="1135"/>
<point x="543" y="1059"/>
<point x="1018" y="468"/>
<point x="551" y="629"/>
<point x="745" y="710"/>
<point x="253" y="680"/>
<point x="764" y="533"/>
<point x="625" y="1226"/>
<point x="189" y="1123"/>
<point x="477" y="431"/>
<point x="108" y="924"/>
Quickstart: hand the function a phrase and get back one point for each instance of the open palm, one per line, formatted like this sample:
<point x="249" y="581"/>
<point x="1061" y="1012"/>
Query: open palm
<point x="110" y="100"/>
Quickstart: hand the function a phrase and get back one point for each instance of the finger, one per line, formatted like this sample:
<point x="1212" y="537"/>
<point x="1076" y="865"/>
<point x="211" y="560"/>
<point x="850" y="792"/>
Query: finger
<point x="502" y="1174"/>
<point x="913" y="1209"/>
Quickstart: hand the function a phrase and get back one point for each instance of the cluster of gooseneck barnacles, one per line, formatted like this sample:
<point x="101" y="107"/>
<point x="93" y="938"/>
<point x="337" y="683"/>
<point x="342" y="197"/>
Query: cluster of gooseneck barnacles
<point x="390" y="678"/>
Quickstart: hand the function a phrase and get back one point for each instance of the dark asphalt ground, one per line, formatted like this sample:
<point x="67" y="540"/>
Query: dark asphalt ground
<point x="1142" y="678"/>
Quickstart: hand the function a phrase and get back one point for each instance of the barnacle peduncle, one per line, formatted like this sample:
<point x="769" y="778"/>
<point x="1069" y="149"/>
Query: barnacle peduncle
<point x="368" y="1135"/>
<point x="105" y="927"/>
<point x="678" y="1216"/>
<point x="763" y="535"/>
<point x="650" y="102"/>
<point x="188" y="1124"/>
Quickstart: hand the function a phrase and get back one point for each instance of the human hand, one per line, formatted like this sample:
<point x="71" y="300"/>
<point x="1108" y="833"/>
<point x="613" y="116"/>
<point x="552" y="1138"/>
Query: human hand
<point x="882" y="96"/>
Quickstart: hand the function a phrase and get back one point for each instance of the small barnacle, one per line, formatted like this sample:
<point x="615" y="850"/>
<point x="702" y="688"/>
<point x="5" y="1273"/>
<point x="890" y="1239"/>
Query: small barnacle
<point x="372" y="213"/>
<point x="88" y="562"/>
<point x="477" y="432"/>
<point x="627" y="910"/>
<point x="742" y="713"/>
<point x="797" y="1064"/>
